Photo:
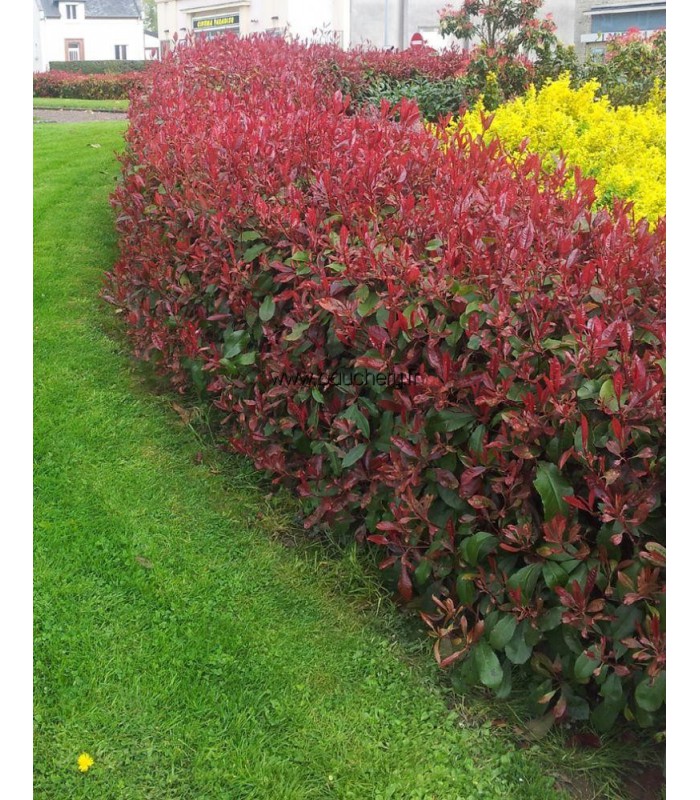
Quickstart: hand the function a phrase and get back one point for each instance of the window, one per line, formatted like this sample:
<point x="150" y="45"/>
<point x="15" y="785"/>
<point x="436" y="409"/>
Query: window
<point x="120" y="52"/>
<point x="74" y="49"/>
<point x="620" y="23"/>
<point x="72" y="12"/>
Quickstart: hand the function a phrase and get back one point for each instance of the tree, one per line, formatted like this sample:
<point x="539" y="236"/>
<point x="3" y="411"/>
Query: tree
<point x="509" y="27"/>
<point x="150" y="17"/>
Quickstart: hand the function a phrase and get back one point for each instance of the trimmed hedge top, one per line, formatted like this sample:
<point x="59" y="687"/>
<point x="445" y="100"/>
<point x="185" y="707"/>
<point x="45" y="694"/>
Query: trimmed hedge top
<point x="98" y="67"/>
<point x="87" y="87"/>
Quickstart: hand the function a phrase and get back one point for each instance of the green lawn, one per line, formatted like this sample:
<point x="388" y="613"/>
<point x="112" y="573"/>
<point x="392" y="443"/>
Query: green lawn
<point x="73" y="104"/>
<point x="177" y="641"/>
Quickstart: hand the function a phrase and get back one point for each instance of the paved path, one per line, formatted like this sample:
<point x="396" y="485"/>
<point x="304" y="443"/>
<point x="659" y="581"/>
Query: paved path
<point x="75" y="115"/>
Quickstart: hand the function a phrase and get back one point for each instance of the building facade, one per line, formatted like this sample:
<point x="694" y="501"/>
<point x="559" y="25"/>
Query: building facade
<point x="87" y="30"/>
<point x="378" y="23"/>
<point x="326" y="20"/>
<point x="392" y="23"/>
<point x="599" y="20"/>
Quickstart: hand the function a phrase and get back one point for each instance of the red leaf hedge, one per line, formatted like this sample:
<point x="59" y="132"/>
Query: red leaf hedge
<point x="405" y="64"/>
<point x="87" y="87"/>
<point x="515" y="482"/>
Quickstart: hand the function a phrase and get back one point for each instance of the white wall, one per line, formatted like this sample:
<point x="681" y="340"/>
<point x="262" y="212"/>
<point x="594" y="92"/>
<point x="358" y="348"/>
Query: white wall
<point x="299" y="17"/>
<point x="305" y="16"/>
<point x="361" y="21"/>
<point x="564" y="13"/>
<point x="422" y="16"/>
<point x="378" y="23"/>
<point x="330" y="19"/>
<point x="99" y="37"/>
<point x="37" y="16"/>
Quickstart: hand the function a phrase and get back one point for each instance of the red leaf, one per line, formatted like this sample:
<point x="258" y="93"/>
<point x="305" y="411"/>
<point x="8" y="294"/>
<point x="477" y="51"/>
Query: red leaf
<point x="377" y="539"/>
<point x="405" y="584"/>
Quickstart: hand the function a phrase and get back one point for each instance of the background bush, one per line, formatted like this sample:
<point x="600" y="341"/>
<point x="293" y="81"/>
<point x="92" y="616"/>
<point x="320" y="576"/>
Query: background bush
<point x="435" y="98"/>
<point x="86" y="87"/>
<point x="98" y="67"/>
<point x="440" y="83"/>
<point x="516" y="489"/>
<point x="632" y="69"/>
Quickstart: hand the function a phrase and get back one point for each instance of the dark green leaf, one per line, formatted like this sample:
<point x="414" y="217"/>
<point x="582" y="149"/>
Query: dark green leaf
<point x="452" y="420"/>
<point x="650" y="696"/>
<point x="551" y="619"/>
<point x="577" y="708"/>
<point x="246" y="359"/>
<point x="554" y="574"/>
<point x="517" y="649"/>
<point x="475" y="547"/>
<point x="488" y="665"/>
<point x="354" y="414"/>
<point x="506" y="685"/>
<point x="468" y="671"/>
<point x="474" y="342"/>
<point x="552" y="488"/>
<point x="450" y="497"/>
<point x="354" y="455"/>
<point x="466" y="591"/>
<point x="368" y="305"/>
<point x="476" y="440"/>
<point x="525" y="579"/>
<point x="585" y="667"/>
<point x="267" y="308"/>
<point x="297" y="331"/>
<point x="503" y="632"/>
<point x="422" y="572"/>
<point x="253" y="252"/>
<point x="604" y="715"/>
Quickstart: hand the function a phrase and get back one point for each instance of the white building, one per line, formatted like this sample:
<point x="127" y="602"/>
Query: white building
<point x="380" y="23"/>
<point x="392" y="23"/>
<point x="309" y="19"/>
<point x="87" y="30"/>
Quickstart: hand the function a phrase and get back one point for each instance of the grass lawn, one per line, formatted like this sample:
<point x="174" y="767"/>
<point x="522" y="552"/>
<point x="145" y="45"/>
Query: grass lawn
<point x="179" y="639"/>
<point x="177" y="642"/>
<point x="73" y="103"/>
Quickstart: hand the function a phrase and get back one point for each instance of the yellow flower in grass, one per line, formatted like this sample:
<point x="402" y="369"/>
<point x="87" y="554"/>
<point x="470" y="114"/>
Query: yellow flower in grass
<point x="85" y="761"/>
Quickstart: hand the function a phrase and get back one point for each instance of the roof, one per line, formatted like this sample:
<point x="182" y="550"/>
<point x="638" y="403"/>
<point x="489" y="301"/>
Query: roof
<point x="109" y="9"/>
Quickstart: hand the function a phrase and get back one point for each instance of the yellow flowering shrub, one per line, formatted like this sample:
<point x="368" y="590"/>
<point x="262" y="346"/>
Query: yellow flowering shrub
<point x="623" y="148"/>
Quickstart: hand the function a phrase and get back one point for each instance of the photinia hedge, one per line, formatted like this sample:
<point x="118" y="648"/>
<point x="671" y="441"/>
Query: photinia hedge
<point x="112" y="86"/>
<point x="516" y="483"/>
<point x="401" y="65"/>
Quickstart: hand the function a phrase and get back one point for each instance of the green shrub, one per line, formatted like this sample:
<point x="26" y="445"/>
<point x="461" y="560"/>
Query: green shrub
<point x="436" y="98"/>
<point x="631" y="70"/>
<point x="98" y="67"/>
